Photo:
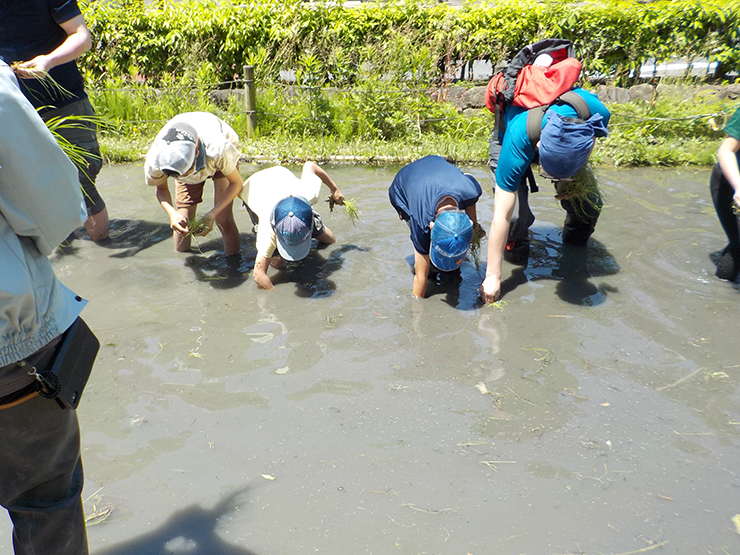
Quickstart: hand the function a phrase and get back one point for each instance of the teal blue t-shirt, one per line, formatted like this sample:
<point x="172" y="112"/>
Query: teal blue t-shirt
<point x="517" y="151"/>
<point x="732" y="128"/>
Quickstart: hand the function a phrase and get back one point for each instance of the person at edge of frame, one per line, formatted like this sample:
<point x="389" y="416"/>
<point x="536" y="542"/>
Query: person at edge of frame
<point x="564" y="147"/>
<point x="279" y="205"/>
<point x="438" y="203"/>
<point x="45" y="37"/>
<point x="724" y="186"/>
<point x="41" y="475"/>
<point x="193" y="147"/>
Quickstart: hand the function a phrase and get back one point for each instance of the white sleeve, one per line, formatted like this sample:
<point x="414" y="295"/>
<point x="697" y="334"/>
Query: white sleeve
<point x="310" y="187"/>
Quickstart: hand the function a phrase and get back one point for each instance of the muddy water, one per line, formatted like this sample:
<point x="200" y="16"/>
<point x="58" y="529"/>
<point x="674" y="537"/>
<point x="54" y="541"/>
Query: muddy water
<point x="596" y="410"/>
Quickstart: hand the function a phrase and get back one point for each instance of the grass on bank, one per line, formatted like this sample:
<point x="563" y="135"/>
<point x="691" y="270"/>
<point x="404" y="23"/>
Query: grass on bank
<point x="295" y="125"/>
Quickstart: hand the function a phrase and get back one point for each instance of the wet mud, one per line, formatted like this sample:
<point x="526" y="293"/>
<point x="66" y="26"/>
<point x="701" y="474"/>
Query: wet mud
<point x="594" y="410"/>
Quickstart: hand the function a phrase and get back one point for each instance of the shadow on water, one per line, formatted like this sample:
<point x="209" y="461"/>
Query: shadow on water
<point x="191" y="530"/>
<point x="572" y="266"/>
<point x="458" y="288"/>
<point x="133" y="236"/>
<point x="311" y="275"/>
<point x="222" y="272"/>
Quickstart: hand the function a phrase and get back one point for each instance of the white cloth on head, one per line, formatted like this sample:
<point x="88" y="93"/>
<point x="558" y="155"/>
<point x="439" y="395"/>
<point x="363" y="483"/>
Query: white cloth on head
<point x="270" y="186"/>
<point x="221" y="144"/>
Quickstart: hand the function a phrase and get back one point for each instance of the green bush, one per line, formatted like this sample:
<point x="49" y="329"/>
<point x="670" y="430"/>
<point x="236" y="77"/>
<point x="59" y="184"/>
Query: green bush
<point x="369" y="75"/>
<point x="612" y="36"/>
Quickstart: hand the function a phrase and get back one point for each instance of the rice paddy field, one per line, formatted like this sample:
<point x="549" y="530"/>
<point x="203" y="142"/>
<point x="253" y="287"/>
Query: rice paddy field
<point x="594" y="410"/>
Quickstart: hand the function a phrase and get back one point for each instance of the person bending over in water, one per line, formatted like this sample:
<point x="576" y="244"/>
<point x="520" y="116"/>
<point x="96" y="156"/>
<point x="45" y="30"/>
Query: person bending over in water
<point x="191" y="148"/>
<point x="279" y="204"/>
<point x="562" y="135"/>
<point x="725" y="188"/>
<point x="437" y="202"/>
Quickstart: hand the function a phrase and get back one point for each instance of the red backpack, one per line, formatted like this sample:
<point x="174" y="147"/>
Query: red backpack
<point x="523" y="84"/>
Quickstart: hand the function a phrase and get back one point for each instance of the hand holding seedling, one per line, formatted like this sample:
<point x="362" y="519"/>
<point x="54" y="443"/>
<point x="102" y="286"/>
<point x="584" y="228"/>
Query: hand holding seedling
<point x="490" y="289"/>
<point x="335" y="198"/>
<point x="179" y="223"/>
<point x="202" y="226"/>
<point x="205" y="224"/>
<point x="35" y="68"/>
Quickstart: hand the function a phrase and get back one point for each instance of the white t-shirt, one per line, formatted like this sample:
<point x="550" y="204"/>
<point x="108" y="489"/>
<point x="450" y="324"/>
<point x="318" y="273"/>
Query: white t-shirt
<point x="266" y="189"/>
<point x="220" y="140"/>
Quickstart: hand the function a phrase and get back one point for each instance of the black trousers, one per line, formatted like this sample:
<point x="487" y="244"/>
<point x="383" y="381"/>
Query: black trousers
<point x="581" y="216"/>
<point x="722" y="194"/>
<point x="41" y="477"/>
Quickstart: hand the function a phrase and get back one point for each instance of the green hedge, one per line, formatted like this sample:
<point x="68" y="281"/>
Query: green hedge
<point x="330" y="44"/>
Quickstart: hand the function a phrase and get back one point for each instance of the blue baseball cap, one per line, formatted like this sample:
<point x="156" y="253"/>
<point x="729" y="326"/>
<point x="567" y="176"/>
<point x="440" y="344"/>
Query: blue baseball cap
<point x="565" y="144"/>
<point x="452" y="234"/>
<point x="292" y="220"/>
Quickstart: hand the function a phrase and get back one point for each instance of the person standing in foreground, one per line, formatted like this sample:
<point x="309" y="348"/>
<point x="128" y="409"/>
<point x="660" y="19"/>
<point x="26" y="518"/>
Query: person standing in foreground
<point x="40" y="205"/>
<point x="45" y="37"/>
<point x="724" y="186"/>
<point x="437" y="201"/>
<point x="193" y="147"/>
<point x="279" y="204"/>
<point x="564" y="146"/>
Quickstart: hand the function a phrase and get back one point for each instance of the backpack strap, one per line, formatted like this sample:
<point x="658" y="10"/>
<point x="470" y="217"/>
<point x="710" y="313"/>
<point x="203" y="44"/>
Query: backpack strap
<point x="534" y="124"/>
<point x="577" y="102"/>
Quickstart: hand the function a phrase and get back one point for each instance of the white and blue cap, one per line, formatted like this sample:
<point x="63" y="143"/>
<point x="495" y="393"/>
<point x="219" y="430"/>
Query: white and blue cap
<point x="452" y="234"/>
<point x="176" y="150"/>
<point x="292" y="220"/>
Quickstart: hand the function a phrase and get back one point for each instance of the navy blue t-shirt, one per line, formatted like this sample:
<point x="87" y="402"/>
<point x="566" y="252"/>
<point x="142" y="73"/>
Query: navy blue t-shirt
<point x="417" y="189"/>
<point x="29" y="28"/>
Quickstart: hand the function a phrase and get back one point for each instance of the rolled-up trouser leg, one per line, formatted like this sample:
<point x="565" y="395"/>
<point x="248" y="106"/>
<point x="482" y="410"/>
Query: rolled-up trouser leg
<point x="522" y="218"/>
<point x="581" y="217"/>
<point x="41" y="478"/>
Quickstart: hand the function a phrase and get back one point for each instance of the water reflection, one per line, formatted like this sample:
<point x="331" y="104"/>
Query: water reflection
<point x="572" y="266"/>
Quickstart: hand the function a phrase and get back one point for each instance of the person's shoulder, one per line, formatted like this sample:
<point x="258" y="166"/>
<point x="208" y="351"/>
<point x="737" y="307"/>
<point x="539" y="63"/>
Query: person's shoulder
<point x="590" y="97"/>
<point x="63" y="10"/>
<point x="732" y="127"/>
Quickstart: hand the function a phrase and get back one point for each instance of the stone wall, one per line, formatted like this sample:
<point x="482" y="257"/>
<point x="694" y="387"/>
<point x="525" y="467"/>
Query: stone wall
<point x="474" y="98"/>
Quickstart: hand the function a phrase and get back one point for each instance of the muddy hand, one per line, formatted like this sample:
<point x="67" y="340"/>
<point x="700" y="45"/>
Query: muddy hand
<point x="490" y="289"/>
<point x="179" y="224"/>
<point x="206" y="225"/>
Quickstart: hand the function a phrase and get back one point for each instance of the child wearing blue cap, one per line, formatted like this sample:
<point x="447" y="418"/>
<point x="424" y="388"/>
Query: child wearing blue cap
<point x="437" y="201"/>
<point x="563" y="142"/>
<point x="279" y="204"/>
